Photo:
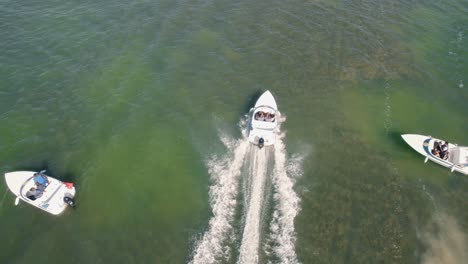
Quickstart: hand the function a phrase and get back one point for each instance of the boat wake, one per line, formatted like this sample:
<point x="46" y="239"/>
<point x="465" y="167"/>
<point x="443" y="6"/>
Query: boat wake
<point x="225" y="172"/>
<point x="286" y="201"/>
<point x="263" y="171"/>
<point x="254" y="201"/>
<point x="387" y="108"/>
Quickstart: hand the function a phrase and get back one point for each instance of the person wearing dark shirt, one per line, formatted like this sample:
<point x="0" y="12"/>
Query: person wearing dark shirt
<point x="33" y="193"/>
<point x="444" y="151"/>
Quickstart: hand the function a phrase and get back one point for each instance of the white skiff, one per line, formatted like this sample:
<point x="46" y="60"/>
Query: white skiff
<point x="55" y="197"/>
<point x="457" y="159"/>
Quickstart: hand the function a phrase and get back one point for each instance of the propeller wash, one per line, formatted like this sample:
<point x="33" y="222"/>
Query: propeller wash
<point x="255" y="235"/>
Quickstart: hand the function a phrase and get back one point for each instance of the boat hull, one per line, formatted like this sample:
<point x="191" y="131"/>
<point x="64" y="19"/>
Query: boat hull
<point x="52" y="200"/>
<point x="458" y="156"/>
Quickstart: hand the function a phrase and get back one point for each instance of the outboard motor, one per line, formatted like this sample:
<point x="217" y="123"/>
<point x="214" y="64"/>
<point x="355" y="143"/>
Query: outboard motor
<point x="261" y="142"/>
<point x="69" y="201"/>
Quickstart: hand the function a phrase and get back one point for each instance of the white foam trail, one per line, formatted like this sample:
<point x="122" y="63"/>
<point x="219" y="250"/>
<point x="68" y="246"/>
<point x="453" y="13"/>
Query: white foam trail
<point x="286" y="204"/>
<point x="223" y="193"/>
<point x="251" y="236"/>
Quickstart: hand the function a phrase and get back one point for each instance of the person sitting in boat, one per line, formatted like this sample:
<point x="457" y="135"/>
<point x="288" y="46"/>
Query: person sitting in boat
<point x="262" y="116"/>
<point x="444" y="151"/>
<point x="437" y="145"/>
<point x="41" y="181"/>
<point x="34" y="193"/>
<point x="435" y="152"/>
<point x="258" y="115"/>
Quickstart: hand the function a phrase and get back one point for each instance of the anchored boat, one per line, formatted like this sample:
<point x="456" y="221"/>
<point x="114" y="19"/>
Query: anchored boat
<point x="456" y="157"/>
<point x="53" y="198"/>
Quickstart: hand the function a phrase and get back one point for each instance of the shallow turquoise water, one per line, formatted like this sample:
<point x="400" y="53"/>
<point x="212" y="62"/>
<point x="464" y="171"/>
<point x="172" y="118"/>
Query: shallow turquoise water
<point x="130" y="100"/>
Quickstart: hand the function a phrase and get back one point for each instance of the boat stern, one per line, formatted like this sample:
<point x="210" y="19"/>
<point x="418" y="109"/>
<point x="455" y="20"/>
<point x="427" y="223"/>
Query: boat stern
<point x="257" y="134"/>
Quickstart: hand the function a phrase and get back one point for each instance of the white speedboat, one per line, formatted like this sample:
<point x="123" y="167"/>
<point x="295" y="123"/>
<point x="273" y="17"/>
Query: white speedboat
<point x="264" y="121"/>
<point x="54" y="199"/>
<point x="456" y="159"/>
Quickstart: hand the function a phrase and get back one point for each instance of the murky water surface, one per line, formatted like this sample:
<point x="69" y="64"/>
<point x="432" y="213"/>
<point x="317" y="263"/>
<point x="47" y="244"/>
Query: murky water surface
<point x="139" y="104"/>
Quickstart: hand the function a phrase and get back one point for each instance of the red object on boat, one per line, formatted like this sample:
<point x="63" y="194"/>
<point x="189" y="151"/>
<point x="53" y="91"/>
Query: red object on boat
<point x="69" y="185"/>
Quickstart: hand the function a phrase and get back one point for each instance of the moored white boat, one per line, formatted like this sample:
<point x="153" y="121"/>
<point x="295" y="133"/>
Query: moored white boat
<point x="264" y="121"/>
<point x="54" y="199"/>
<point x="457" y="159"/>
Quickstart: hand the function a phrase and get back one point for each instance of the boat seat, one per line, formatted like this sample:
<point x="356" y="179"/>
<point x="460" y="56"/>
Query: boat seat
<point x="458" y="156"/>
<point x="463" y="155"/>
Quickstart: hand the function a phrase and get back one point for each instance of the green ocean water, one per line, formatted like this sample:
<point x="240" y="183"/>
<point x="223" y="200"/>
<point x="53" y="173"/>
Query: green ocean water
<point x="130" y="100"/>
